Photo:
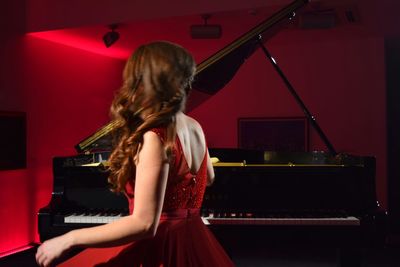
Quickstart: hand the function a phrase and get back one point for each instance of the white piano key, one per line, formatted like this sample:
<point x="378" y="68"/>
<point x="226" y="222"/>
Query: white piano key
<point x="91" y="219"/>
<point x="205" y="221"/>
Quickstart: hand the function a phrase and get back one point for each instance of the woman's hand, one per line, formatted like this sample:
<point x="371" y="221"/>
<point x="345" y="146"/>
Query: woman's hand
<point x="53" y="250"/>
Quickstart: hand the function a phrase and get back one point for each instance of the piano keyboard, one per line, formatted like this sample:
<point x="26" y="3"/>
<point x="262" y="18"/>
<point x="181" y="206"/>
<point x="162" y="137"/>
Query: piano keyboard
<point x="346" y="221"/>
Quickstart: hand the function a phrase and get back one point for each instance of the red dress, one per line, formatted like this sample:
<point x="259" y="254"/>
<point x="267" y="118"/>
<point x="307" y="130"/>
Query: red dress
<point x="182" y="239"/>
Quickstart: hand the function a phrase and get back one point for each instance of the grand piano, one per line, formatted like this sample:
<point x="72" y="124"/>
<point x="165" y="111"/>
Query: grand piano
<point x="259" y="198"/>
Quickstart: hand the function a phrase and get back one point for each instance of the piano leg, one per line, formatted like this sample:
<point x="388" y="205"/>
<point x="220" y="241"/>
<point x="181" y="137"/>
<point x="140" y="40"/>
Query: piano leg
<point x="348" y="257"/>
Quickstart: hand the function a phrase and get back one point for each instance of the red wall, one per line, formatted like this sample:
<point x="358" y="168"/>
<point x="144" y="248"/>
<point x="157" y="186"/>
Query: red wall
<point x="67" y="93"/>
<point x="16" y="211"/>
<point x="16" y="197"/>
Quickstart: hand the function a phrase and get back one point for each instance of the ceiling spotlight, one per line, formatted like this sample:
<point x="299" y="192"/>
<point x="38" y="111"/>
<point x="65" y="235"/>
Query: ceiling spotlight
<point x="111" y="37"/>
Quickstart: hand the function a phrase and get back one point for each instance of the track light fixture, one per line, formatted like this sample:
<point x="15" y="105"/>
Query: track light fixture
<point x="205" y="31"/>
<point x="112" y="36"/>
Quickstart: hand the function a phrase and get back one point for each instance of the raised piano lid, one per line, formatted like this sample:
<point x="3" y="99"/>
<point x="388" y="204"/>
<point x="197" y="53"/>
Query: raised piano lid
<point x="208" y="79"/>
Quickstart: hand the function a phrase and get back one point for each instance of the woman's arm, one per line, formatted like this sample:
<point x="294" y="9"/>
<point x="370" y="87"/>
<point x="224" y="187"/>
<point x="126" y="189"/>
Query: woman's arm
<point x="210" y="170"/>
<point x="150" y="183"/>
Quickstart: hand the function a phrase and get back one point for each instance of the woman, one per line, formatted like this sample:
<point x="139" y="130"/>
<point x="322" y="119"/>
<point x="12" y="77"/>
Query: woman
<point x="162" y="165"/>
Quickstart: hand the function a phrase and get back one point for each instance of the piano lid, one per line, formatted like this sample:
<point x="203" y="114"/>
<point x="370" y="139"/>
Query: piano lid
<point x="209" y="78"/>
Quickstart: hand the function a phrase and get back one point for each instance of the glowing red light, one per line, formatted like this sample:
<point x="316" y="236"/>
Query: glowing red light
<point x="80" y="41"/>
<point x="14" y="251"/>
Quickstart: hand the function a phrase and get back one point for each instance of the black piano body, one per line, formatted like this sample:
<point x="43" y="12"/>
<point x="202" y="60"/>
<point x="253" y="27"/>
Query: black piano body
<point x="81" y="196"/>
<point x="291" y="199"/>
<point x="259" y="199"/>
<point x="254" y="189"/>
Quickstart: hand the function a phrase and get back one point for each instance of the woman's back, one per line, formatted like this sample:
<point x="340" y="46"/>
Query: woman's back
<point x="193" y="144"/>
<point x="188" y="175"/>
<point x="192" y="140"/>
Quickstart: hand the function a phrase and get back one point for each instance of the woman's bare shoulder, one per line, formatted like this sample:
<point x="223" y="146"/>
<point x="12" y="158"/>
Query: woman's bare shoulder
<point x="191" y="123"/>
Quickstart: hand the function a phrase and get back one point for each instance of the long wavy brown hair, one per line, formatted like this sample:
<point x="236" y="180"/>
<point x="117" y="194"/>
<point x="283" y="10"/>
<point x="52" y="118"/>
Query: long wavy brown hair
<point x="156" y="82"/>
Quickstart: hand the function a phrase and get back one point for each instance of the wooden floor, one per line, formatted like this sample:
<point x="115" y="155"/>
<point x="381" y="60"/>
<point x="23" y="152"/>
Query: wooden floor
<point x="388" y="257"/>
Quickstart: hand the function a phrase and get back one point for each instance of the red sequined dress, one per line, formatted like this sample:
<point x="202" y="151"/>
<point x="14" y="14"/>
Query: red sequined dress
<point x="182" y="239"/>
